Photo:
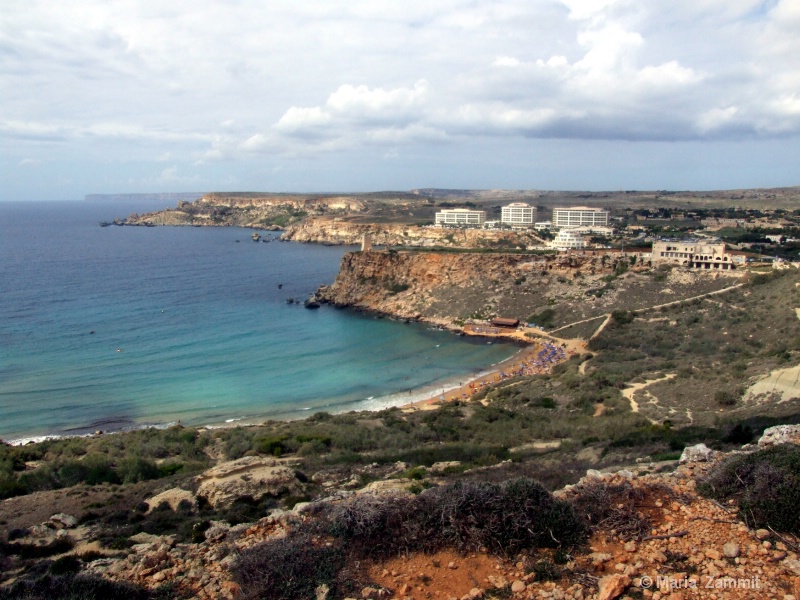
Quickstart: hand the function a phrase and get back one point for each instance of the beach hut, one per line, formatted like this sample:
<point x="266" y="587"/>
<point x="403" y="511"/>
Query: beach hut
<point x="501" y="322"/>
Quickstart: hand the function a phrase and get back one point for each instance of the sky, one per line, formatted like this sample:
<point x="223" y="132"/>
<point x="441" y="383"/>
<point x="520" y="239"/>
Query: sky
<point x="127" y="96"/>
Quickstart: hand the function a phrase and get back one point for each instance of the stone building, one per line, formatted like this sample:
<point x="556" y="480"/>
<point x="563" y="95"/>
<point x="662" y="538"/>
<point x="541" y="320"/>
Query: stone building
<point x="695" y="254"/>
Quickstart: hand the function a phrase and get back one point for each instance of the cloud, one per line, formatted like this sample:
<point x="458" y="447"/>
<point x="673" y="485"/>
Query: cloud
<point x="222" y="82"/>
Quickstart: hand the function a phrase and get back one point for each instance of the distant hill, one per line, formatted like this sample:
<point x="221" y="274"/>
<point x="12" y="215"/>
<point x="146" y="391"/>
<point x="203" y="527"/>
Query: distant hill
<point x="159" y="197"/>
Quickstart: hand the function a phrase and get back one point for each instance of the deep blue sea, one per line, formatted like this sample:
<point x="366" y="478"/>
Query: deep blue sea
<point x="112" y="328"/>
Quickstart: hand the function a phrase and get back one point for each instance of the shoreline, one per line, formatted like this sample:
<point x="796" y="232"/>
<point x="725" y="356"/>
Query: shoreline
<point x="427" y="397"/>
<point x="538" y="356"/>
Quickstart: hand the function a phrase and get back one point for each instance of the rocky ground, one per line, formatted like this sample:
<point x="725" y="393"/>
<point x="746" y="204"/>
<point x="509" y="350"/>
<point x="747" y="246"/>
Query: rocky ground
<point x="691" y="547"/>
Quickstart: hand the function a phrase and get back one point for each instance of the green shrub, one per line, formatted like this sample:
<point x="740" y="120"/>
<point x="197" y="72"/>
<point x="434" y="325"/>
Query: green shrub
<point x="726" y="397"/>
<point x="65" y="564"/>
<point x="544" y="318"/>
<point x="134" y="469"/>
<point x="766" y="485"/>
<point x="23" y="550"/>
<point x="274" y="446"/>
<point x="622" y="317"/>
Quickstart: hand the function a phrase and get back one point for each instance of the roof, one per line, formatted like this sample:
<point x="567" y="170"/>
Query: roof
<point x="502" y="322"/>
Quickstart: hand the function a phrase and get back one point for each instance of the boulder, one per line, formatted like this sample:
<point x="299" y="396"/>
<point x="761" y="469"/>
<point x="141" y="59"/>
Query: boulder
<point x="697" y="453"/>
<point x="249" y="477"/>
<point x="441" y="467"/>
<point x="62" y="521"/>
<point x="780" y="434"/>
<point x="386" y="486"/>
<point x="173" y="497"/>
<point x="612" y="586"/>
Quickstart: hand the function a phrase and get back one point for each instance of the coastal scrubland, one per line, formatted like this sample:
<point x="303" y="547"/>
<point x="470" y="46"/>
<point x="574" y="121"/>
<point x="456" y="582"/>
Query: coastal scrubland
<point x="546" y="428"/>
<point x="672" y="359"/>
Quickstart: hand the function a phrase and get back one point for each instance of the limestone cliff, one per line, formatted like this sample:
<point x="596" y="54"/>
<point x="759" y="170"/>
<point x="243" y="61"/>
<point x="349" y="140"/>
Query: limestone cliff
<point x="330" y="230"/>
<point x="264" y="211"/>
<point x="553" y="290"/>
<point x="447" y="288"/>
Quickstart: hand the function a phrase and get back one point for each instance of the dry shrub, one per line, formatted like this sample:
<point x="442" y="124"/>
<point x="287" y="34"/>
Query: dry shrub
<point x="290" y="568"/>
<point x="503" y="518"/>
<point x="613" y="507"/>
<point x="766" y="485"/>
<point x="80" y="587"/>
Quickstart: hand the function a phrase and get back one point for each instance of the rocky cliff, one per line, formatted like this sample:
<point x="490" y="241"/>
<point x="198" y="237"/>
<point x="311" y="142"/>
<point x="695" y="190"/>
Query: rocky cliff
<point x="330" y="230"/>
<point x="265" y="211"/>
<point x="553" y="290"/>
<point x="447" y="288"/>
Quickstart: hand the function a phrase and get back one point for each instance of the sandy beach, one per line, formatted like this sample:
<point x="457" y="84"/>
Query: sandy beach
<point x="540" y="355"/>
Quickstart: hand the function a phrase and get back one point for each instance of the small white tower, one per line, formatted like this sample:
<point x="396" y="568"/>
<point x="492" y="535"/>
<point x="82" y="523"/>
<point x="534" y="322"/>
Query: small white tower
<point x="366" y="243"/>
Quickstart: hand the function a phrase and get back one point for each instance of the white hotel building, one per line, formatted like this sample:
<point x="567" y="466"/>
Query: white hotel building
<point x="460" y="217"/>
<point x="518" y="214"/>
<point x="568" y="239"/>
<point x="580" y="216"/>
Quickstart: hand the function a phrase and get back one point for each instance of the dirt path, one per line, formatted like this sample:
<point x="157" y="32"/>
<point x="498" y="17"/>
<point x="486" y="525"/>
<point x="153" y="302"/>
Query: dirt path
<point x="636" y="387"/>
<point x="578" y="323"/>
<point x="644" y="310"/>
<point x="693" y="298"/>
<point x="599" y="330"/>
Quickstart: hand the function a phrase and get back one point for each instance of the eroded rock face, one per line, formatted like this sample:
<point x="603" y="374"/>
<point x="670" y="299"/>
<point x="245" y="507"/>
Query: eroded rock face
<point x="173" y="498"/>
<point x="441" y="286"/>
<point x="780" y="434"/>
<point x="326" y="230"/>
<point x="697" y="453"/>
<point x="252" y="476"/>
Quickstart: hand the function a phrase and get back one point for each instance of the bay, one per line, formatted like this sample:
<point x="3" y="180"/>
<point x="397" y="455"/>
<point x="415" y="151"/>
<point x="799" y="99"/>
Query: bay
<point x="117" y="327"/>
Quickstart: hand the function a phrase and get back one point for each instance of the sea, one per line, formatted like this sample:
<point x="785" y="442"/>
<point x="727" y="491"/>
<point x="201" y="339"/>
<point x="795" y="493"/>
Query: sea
<point x="115" y="328"/>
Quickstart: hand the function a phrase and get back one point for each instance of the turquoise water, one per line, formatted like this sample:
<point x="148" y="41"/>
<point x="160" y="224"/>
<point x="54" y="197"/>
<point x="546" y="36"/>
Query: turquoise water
<point x="117" y="327"/>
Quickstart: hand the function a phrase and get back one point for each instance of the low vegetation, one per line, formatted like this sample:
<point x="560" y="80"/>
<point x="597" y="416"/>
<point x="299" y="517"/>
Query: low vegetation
<point x="765" y="486"/>
<point x="503" y="518"/>
<point x="116" y="459"/>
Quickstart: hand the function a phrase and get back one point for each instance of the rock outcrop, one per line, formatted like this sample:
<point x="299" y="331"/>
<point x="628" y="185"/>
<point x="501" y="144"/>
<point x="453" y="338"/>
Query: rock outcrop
<point x="262" y="211"/>
<point x="445" y="287"/>
<point x="327" y="230"/>
<point x="780" y="434"/>
<point x="249" y="477"/>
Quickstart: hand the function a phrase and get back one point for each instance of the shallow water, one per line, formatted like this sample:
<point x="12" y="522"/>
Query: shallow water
<point x="116" y="327"/>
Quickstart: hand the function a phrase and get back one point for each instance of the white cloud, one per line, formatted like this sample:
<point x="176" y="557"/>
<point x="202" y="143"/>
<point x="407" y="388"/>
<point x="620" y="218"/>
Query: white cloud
<point x="506" y="61"/>
<point x="303" y="119"/>
<point x="716" y="118"/>
<point x="207" y="82"/>
<point x="586" y="9"/>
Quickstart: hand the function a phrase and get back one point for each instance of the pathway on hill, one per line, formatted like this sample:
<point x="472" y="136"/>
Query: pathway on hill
<point x="637" y="311"/>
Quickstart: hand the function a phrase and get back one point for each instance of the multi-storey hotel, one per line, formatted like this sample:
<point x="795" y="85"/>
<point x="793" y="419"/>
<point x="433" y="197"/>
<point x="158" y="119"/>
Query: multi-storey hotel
<point x="568" y="240"/>
<point x="518" y="214"/>
<point x="578" y="216"/>
<point x="460" y="216"/>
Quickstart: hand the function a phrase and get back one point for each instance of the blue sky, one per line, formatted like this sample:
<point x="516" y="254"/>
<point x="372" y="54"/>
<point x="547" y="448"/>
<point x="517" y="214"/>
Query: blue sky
<point x="143" y="96"/>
